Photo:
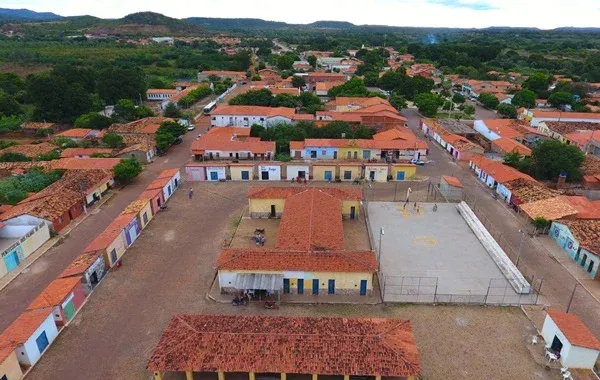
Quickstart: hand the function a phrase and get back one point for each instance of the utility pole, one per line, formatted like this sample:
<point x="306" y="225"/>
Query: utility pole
<point x="571" y="299"/>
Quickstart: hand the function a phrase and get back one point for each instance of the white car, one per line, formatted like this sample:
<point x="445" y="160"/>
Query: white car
<point x="191" y="127"/>
<point x="417" y="162"/>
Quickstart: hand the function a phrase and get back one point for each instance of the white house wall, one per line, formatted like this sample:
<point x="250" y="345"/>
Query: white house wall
<point x="28" y="353"/>
<point x="580" y="357"/>
<point x="274" y="172"/>
<point x="483" y="130"/>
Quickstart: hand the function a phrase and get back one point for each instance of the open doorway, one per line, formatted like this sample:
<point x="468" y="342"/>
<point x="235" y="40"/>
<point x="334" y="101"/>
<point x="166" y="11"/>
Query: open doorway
<point x="556" y="344"/>
<point x="272" y="214"/>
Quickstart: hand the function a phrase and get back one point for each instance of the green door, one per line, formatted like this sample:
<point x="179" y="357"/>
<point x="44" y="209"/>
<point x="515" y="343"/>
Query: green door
<point x="69" y="310"/>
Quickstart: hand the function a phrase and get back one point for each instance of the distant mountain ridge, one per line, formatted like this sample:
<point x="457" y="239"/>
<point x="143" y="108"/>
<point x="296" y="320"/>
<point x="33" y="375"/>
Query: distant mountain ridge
<point x="27" y="15"/>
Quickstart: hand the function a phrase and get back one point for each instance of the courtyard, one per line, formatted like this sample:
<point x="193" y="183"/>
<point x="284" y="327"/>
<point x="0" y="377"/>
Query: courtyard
<point x="170" y="268"/>
<point x="431" y="256"/>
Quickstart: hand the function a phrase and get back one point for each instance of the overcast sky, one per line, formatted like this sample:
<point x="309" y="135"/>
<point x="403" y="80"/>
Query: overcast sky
<point x="544" y="14"/>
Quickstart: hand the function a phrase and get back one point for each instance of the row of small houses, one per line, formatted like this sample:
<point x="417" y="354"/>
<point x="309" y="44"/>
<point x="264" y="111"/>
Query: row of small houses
<point x="29" y="336"/>
<point x="574" y="219"/>
<point x="317" y="171"/>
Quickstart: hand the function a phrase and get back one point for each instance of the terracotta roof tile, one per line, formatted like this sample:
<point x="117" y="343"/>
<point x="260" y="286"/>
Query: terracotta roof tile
<point x="507" y="145"/>
<point x="297" y="145"/>
<point x="55" y="293"/>
<point x="575" y="331"/>
<point x="294" y="345"/>
<point x="505" y="127"/>
<point x="72" y="152"/>
<point x="75" y="133"/>
<point x="168" y="173"/>
<point x="397" y="133"/>
<point x="550" y="209"/>
<point x="452" y="181"/>
<point x="312" y="220"/>
<point x="500" y="172"/>
<point x="80" y="264"/>
<point x="104" y="239"/>
<point x="529" y="191"/>
<point x="135" y="207"/>
<point x="24" y="326"/>
<point x="591" y="165"/>
<point x="86" y="163"/>
<point x="565" y="115"/>
<point x="565" y="127"/>
<point x="35" y="125"/>
<point x="286" y="260"/>
<point x="587" y="233"/>
<point x="31" y="150"/>
<point x="259" y="192"/>
<point x="231" y="139"/>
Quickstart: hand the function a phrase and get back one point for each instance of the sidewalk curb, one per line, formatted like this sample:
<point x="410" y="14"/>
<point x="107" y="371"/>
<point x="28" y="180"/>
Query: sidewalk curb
<point x="55" y="241"/>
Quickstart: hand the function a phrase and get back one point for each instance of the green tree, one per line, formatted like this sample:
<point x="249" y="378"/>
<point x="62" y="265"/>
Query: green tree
<point x="171" y="127"/>
<point x="285" y="62"/>
<point x="126" y="170"/>
<point x="256" y="77"/>
<point x="164" y="140"/>
<point x="398" y="102"/>
<point x="11" y="124"/>
<point x="458" y="98"/>
<point x="524" y="98"/>
<point x="15" y="196"/>
<point x="285" y="100"/>
<point x="160" y="82"/>
<point x="116" y="83"/>
<point x="371" y="78"/>
<point x="256" y="130"/>
<point x="353" y="88"/>
<point x="93" y="120"/>
<point x="538" y="83"/>
<point x="112" y="140"/>
<point x="262" y="97"/>
<point x="11" y="83"/>
<point x="8" y="105"/>
<point x="427" y="103"/>
<point x="125" y="109"/>
<point x="540" y="223"/>
<point x="559" y="99"/>
<point x="54" y="155"/>
<point x="298" y="81"/>
<point x="469" y="110"/>
<point x="312" y="60"/>
<point x="552" y="157"/>
<point x="13" y="157"/>
<point x="65" y="142"/>
<point x="488" y="100"/>
<point x="171" y="110"/>
<point x="507" y="110"/>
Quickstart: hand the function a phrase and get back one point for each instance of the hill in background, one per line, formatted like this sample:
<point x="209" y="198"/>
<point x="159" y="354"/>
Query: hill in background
<point x="26" y="15"/>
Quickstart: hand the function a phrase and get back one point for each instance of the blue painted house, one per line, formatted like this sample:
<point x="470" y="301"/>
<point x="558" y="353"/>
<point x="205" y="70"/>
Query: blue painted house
<point x="322" y="149"/>
<point x="579" y="238"/>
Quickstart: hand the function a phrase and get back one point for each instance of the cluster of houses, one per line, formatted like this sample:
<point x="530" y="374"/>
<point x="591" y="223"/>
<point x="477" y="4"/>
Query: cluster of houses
<point x="26" y="226"/>
<point x="24" y="342"/>
<point x="309" y="256"/>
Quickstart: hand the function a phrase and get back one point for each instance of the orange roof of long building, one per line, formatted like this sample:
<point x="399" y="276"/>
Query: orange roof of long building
<point x="24" y="326"/>
<point x="312" y="220"/>
<point x="294" y="345"/>
<point x="507" y="145"/>
<point x="55" y="293"/>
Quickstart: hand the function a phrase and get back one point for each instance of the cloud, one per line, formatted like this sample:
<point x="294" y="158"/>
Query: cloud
<point x="474" y="5"/>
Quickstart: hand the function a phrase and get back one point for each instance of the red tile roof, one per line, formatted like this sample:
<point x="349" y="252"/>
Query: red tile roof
<point x="150" y="194"/>
<point x="55" y="293"/>
<point x="312" y="220"/>
<point x="86" y="163"/>
<point x="72" y="152"/>
<point x="30" y="150"/>
<point x="102" y="241"/>
<point x="500" y="172"/>
<point x="506" y="145"/>
<point x="168" y="173"/>
<point x="397" y="133"/>
<point x="294" y="345"/>
<point x="452" y="181"/>
<point x="258" y="192"/>
<point x="231" y="139"/>
<point x="576" y="332"/>
<point x="565" y="115"/>
<point x="75" y="132"/>
<point x="24" y="326"/>
<point x="285" y="260"/>
<point x="80" y="264"/>
<point x="254" y="111"/>
<point x="296" y="145"/>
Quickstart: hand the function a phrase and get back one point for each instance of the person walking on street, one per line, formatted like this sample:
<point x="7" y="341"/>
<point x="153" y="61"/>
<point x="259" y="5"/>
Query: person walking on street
<point x="191" y="194"/>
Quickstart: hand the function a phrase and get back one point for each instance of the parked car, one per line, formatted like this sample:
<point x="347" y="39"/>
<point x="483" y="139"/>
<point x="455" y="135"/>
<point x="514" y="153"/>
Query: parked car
<point x="414" y="161"/>
<point x="179" y="140"/>
<point x="191" y="127"/>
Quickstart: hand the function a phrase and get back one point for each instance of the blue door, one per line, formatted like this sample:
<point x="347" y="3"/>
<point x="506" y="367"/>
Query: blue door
<point x="11" y="260"/>
<point x="286" y="285"/>
<point x="300" y="286"/>
<point x="315" y="286"/>
<point x="214" y="176"/>
<point x="363" y="287"/>
<point x="169" y="189"/>
<point x="42" y="342"/>
<point x="245" y="175"/>
<point x="400" y="176"/>
<point x="331" y="288"/>
<point x="328" y="175"/>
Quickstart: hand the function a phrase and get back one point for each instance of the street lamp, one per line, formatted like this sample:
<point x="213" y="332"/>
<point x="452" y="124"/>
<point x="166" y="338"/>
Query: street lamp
<point x="381" y="233"/>
<point x="520" y="247"/>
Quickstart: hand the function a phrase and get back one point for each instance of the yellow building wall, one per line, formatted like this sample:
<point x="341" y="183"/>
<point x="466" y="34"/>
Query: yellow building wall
<point x="409" y="171"/>
<point x="119" y="245"/>
<point x="263" y="206"/>
<point x="35" y="241"/>
<point x="148" y="210"/>
<point x="343" y="280"/>
<point x="381" y="172"/>
<point x="236" y="172"/>
<point x="346" y="205"/>
<point x="319" y="172"/>
<point x="10" y="367"/>
<point x="356" y="172"/>
<point x="98" y="192"/>
<point x="343" y="153"/>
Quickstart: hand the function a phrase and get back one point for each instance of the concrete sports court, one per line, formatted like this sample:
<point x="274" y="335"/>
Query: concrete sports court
<point x="420" y="246"/>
